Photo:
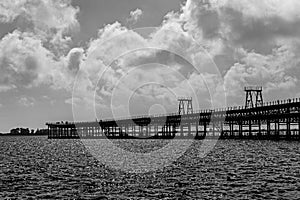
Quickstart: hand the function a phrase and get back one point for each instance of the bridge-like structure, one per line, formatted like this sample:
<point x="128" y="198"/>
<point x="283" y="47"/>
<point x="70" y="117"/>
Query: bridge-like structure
<point x="275" y="120"/>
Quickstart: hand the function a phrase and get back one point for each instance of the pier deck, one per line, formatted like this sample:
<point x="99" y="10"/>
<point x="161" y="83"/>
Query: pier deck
<point x="278" y="120"/>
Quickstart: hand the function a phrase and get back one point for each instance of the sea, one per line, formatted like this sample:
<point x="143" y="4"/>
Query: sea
<point x="39" y="168"/>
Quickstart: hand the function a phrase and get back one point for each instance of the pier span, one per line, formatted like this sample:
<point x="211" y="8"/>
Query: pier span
<point x="277" y="120"/>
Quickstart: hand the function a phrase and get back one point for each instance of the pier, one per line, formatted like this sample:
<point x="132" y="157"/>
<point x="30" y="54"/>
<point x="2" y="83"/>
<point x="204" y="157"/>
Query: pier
<point x="277" y="120"/>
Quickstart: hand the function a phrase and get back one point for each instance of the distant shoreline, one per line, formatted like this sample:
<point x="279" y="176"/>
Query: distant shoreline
<point x="22" y="135"/>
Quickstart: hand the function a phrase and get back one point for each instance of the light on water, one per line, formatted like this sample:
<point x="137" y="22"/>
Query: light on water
<point x="35" y="167"/>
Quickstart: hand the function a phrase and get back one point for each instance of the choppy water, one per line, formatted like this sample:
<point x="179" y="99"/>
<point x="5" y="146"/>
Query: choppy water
<point x="34" y="167"/>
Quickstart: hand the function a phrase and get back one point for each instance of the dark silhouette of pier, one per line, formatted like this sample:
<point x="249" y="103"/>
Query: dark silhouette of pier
<point x="277" y="120"/>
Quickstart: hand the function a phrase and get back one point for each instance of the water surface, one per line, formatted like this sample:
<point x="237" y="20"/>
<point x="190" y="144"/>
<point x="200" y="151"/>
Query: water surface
<point x="35" y="167"/>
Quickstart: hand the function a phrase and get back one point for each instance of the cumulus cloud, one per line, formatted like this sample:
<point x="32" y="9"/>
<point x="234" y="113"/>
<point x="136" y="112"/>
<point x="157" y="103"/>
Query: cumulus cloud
<point x="26" y="63"/>
<point x="51" y="21"/>
<point x="287" y="10"/>
<point x="251" y="42"/>
<point x="23" y="60"/>
<point x="37" y="55"/>
<point x="270" y="71"/>
<point x="26" y="101"/>
<point x="254" y="25"/>
<point x="37" y="52"/>
<point x="125" y="67"/>
<point x="4" y="88"/>
<point x="135" y="15"/>
<point x="59" y="14"/>
<point x="74" y="59"/>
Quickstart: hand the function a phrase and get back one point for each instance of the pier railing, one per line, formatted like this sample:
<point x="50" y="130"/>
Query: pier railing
<point x="232" y="108"/>
<point x="269" y="119"/>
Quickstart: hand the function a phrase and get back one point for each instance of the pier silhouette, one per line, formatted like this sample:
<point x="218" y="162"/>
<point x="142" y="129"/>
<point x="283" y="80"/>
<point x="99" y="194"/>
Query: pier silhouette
<point x="276" y="120"/>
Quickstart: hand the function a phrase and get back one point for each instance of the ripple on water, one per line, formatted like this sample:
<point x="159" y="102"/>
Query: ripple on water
<point x="35" y="167"/>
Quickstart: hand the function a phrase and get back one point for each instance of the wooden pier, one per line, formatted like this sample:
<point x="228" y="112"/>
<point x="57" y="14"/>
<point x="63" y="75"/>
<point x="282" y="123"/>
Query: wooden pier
<point x="278" y="120"/>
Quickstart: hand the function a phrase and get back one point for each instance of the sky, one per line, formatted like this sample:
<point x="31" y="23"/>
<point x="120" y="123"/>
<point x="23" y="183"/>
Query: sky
<point x="80" y="60"/>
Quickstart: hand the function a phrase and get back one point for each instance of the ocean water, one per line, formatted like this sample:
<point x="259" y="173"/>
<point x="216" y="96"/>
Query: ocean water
<point x="38" y="168"/>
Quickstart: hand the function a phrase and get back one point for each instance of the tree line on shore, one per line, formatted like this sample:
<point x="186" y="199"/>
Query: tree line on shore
<point x="26" y="131"/>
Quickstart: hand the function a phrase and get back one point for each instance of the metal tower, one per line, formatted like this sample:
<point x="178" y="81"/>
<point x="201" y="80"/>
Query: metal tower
<point x="185" y="102"/>
<point x="253" y="91"/>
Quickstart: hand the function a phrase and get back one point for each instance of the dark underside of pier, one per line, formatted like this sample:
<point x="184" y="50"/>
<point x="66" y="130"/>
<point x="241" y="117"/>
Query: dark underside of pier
<point x="274" y="121"/>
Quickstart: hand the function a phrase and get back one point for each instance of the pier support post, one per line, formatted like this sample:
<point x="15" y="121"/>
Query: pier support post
<point x="268" y="129"/>
<point x="213" y="131"/>
<point x="181" y="130"/>
<point x="204" y="131"/>
<point x="222" y="129"/>
<point x="299" y="128"/>
<point x="240" y="130"/>
<point x="197" y="129"/>
<point x="49" y="132"/>
<point x="230" y="129"/>
<point x="147" y="131"/>
<point x="259" y="130"/>
<point x="288" y="129"/>
<point x="276" y="130"/>
<point x="189" y="129"/>
<point x="250" y="129"/>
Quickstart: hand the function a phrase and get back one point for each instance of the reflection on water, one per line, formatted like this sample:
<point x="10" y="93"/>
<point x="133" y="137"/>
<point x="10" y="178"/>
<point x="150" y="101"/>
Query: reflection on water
<point x="34" y="167"/>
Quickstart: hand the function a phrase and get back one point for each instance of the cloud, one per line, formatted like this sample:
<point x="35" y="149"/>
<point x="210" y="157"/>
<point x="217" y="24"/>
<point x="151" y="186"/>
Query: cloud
<point x="135" y="15"/>
<point x="254" y="25"/>
<point x="26" y="63"/>
<point x="121" y="62"/>
<point x="4" y="88"/>
<point x="60" y="14"/>
<point x="23" y="60"/>
<point x="250" y="42"/>
<point x="52" y="21"/>
<point x="270" y="71"/>
<point x="75" y="101"/>
<point x="26" y="101"/>
<point x="74" y="59"/>
<point x="37" y="52"/>
<point x="287" y="10"/>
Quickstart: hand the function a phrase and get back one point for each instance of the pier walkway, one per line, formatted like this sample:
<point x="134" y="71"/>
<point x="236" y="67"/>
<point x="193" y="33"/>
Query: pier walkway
<point x="278" y="120"/>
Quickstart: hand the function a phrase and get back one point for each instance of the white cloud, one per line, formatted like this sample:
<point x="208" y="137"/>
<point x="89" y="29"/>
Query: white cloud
<point x="75" y="101"/>
<point x="253" y="42"/>
<point x="135" y="15"/>
<point x="44" y="13"/>
<point x="52" y="21"/>
<point x="27" y="102"/>
<point x="74" y="59"/>
<point x="270" y="71"/>
<point x="120" y="63"/>
<point x="254" y="25"/>
<point x="23" y="60"/>
<point x="4" y="88"/>
<point x="33" y="54"/>
<point x="26" y="63"/>
<point x="288" y="10"/>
